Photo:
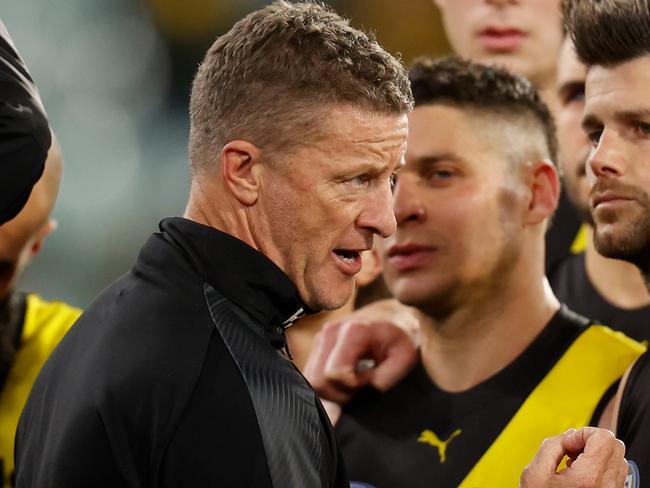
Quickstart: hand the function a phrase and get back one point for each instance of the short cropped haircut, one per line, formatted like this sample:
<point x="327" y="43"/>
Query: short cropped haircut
<point x="608" y="32"/>
<point x="465" y="84"/>
<point x="271" y="77"/>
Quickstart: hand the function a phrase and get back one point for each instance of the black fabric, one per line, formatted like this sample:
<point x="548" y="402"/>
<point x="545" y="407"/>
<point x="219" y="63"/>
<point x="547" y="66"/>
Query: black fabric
<point x="24" y="132"/>
<point x="561" y="233"/>
<point x="633" y="426"/>
<point x="572" y="286"/>
<point x="12" y="321"/>
<point x="145" y="391"/>
<point x="378" y="432"/>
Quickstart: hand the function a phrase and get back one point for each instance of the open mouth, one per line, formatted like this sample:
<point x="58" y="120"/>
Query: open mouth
<point x="349" y="260"/>
<point x="347" y="256"/>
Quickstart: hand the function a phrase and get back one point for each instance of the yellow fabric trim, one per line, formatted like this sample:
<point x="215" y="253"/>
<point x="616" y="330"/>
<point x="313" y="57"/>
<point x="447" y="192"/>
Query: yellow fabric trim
<point x="45" y="325"/>
<point x="580" y="241"/>
<point x="565" y="398"/>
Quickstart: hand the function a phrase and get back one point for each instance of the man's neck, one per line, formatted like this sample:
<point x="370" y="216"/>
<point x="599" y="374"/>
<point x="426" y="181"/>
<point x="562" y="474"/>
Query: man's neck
<point x="618" y="282"/>
<point x="300" y="336"/>
<point x="479" y="339"/>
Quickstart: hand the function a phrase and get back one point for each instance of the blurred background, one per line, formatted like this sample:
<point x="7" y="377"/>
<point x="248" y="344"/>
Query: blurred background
<point x="115" y="78"/>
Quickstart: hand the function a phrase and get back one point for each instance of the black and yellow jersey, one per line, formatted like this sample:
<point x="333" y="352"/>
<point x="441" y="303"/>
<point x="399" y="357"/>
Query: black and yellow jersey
<point x="633" y="426"/>
<point x="571" y="285"/>
<point x="43" y="326"/>
<point x="417" y="435"/>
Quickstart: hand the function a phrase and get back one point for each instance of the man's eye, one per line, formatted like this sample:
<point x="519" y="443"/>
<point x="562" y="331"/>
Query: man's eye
<point x="594" y="136"/>
<point x="642" y="128"/>
<point x="442" y="174"/>
<point x="359" y="181"/>
<point x="392" y="181"/>
<point x="576" y="95"/>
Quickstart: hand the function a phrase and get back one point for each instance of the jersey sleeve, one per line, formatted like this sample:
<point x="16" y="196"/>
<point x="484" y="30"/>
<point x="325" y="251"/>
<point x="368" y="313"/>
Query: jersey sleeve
<point x="24" y="131"/>
<point x="634" y="417"/>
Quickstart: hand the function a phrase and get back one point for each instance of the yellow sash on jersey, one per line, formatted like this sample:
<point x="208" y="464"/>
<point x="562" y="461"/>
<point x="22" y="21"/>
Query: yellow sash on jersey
<point x="565" y="398"/>
<point x="580" y="240"/>
<point x="45" y="325"/>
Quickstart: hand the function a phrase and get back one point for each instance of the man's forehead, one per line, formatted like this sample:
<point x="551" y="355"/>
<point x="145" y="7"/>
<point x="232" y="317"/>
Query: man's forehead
<point x="569" y="67"/>
<point x="623" y="87"/>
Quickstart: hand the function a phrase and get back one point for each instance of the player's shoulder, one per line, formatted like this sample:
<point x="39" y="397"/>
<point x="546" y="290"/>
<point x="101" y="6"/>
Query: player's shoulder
<point x="46" y="319"/>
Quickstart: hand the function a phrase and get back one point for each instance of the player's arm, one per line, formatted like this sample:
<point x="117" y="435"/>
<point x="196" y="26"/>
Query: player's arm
<point x="376" y="345"/>
<point x="596" y="460"/>
<point x="24" y="132"/>
<point x="633" y="416"/>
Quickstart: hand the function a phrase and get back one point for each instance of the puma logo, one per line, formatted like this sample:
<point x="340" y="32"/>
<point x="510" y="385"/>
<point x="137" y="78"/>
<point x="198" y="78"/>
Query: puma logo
<point x="430" y="437"/>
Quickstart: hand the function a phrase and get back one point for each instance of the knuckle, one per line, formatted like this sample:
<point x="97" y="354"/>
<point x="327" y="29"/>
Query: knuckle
<point x="527" y="478"/>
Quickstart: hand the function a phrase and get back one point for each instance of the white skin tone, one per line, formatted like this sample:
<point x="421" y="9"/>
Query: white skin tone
<point x="427" y="181"/>
<point x="617" y="121"/>
<point x="522" y="35"/>
<point x="465" y="217"/>
<point x="617" y="281"/>
<point x="313" y="209"/>
<point x="301" y="335"/>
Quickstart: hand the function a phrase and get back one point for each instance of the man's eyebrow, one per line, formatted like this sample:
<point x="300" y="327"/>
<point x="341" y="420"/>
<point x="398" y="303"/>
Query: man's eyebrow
<point x="433" y="158"/>
<point x="571" y="86"/>
<point x="590" y="122"/>
<point x="633" y="114"/>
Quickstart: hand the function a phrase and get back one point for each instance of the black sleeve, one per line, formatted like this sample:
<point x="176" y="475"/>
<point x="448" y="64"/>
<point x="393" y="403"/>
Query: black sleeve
<point x="634" y="417"/>
<point x="24" y="131"/>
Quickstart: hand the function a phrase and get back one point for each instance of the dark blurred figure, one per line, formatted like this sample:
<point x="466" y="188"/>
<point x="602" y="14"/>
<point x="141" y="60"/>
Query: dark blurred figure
<point x="24" y="131"/>
<point x="30" y="327"/>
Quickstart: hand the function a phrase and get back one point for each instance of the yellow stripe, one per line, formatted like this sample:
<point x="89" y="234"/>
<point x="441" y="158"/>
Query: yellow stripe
<point x="580" y="241"/>
<point x="45" y="325"/>
<point x="565" y="398"/>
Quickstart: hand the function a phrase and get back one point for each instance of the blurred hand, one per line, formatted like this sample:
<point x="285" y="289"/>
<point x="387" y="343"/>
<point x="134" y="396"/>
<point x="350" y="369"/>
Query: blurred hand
<point x="386" y="332"/>
<point x="596" y="460"/>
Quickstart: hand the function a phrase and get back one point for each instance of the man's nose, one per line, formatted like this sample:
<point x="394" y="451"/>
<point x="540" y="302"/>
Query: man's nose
<point x="608" y="158"/>
<point x="408" y="204"/>
<point x="377" y="214"/>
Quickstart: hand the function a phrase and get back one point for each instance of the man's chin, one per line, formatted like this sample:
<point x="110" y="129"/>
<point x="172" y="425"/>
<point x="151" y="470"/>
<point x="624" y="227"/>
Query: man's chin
<point x="625" y="246"/>
<point x="323" y="300"/>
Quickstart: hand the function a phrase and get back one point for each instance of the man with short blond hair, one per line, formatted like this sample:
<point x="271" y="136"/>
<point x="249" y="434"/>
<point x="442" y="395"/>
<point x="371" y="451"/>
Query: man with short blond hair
<point x="175" y="375"/>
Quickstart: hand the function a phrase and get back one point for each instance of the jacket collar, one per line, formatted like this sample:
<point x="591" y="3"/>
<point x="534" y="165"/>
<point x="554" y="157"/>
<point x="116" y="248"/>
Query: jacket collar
<point x="242" y="274"/>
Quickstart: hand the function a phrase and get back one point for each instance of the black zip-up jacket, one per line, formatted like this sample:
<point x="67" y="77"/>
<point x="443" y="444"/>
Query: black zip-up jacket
<point x="173" y="378"/>
<point x="24" y="131"/>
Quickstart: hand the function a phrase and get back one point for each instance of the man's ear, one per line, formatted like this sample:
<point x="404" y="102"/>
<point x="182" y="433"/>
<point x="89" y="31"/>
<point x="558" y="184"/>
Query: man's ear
<point x="239" y="168"/>
<point x="544" y="185"/>
<point x="47" y="228"/>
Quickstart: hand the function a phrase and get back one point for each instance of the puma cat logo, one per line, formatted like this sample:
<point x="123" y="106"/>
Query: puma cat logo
<point x="430" y="437"/>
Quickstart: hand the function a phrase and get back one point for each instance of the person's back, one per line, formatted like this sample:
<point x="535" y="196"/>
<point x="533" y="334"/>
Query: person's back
<point x="30" y="327"/>
<point x="148" y="379"/>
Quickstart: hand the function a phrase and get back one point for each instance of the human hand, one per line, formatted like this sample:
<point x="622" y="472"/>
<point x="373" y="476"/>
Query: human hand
<point x="596" y="460"/>
<point x="376" y="345"/>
